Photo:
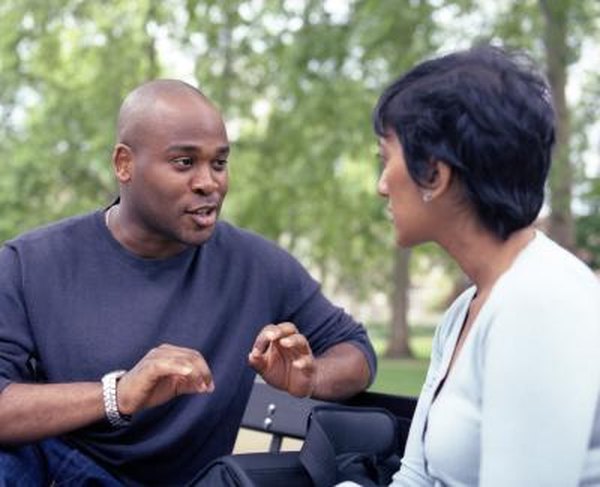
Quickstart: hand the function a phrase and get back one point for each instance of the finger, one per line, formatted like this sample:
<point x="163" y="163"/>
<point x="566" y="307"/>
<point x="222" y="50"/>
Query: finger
<point x="304" y="364"/>
<point x="190" y="385"/>
<point x="185" y="363"/>
<point x="201" y="374"/>
<point x="186" y="373"/>
<point x="265" y="337"/>
<point x="296" y="343"/>
<point x="169" y="348"/>
<point x="257" y="360"/>
<point x="287" y="328"/>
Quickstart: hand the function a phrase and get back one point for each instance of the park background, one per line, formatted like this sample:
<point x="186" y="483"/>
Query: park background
<point x="296" y="81"/>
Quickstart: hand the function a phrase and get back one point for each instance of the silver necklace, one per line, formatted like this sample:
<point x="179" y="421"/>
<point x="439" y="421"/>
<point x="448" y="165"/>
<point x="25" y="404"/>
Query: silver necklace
<point x="107" y="216"/>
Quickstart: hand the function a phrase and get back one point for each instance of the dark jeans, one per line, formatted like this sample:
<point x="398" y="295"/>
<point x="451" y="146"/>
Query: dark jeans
<point x="51" y="463"/>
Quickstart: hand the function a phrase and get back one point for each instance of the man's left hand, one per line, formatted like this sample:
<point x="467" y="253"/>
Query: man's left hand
<point x="284" y="359"/>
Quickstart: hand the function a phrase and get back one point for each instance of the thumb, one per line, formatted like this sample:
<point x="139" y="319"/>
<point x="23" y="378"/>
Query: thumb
<point x="257" y="360"/>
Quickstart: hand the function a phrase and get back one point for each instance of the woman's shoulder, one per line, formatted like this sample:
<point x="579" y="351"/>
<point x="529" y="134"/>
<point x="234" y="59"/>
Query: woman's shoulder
<point x="546" y="290"/>
<point x="545" y="271"/>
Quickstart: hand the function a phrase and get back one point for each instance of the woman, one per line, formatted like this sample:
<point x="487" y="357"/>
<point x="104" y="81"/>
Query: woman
<point x="512" y="392"/>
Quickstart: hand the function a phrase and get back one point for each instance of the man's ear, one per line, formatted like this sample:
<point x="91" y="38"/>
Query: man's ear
<point x="440" y="179"/>
<point x="122" y="159"/>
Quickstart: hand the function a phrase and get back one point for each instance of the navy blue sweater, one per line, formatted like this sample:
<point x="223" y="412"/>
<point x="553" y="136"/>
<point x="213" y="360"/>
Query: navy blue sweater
<point x="80" y="305"/>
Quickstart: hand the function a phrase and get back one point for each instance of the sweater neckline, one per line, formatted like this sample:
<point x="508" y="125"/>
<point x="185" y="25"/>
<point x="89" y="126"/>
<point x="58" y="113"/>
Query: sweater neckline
<point x="125" y="254"/>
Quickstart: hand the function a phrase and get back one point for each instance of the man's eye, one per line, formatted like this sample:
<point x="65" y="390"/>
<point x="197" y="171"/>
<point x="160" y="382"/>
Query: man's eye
<point x="220" y="164"/>
<point x="182" y="162"/>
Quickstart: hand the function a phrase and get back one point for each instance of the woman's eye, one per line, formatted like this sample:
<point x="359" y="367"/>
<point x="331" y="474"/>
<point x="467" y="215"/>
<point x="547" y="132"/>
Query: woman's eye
<point x="182" y="161"/>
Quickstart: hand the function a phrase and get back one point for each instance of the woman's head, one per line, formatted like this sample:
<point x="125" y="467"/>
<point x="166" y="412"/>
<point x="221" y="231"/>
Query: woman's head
<point x="487" y="115"/>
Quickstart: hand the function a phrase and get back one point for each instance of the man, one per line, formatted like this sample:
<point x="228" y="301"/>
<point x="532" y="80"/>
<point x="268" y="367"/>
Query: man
<point x="139" y="323"/>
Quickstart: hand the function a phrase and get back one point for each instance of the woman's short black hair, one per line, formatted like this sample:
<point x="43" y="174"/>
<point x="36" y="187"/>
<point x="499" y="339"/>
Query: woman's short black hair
<point x="488" y="114"/>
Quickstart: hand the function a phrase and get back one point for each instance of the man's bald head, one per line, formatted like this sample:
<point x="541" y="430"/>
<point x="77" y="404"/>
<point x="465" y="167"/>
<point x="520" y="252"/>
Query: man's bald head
<point x="171" y="164"/>
<point x="141" y="108"/>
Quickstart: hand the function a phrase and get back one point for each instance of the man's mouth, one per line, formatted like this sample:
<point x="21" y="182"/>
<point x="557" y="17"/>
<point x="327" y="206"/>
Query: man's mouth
<point x="204" y="216"/>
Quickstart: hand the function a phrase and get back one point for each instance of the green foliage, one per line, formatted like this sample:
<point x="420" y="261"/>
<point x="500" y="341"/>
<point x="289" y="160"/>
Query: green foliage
<point x="588" y="226"/>
<point x="304" y="171"/>
<point x="303" y="168"/>
<point x="588" y="239"/>
<point x="296" y="81"/>
<point x="62" y="93"/>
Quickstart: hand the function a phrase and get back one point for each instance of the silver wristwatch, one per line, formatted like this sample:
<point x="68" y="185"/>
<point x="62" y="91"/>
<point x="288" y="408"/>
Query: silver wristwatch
<point x="109" y="394"/>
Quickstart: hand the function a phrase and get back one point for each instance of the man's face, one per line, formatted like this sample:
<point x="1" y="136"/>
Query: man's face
<point x="178" y="176"/>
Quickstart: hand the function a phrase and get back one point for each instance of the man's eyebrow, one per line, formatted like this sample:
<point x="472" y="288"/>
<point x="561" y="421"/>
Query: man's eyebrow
<point x="222" y="150"/>
<point x="182" y="148"/>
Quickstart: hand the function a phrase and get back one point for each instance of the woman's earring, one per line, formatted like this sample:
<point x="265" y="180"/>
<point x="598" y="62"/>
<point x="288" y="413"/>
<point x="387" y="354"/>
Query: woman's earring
<point x="427" y="196"/>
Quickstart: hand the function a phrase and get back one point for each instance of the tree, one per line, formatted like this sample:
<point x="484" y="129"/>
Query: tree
<point x="70" y="64"/>
<point x="295" y="80"/>
<point x="302" y="171"/>
<point x="305" y="163"/>
<point x="556" y="24"/>
<point x="554" y="30"/>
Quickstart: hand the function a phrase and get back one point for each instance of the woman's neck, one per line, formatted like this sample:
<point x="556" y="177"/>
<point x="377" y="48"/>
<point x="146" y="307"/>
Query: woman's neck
<point x="482" y="256"/>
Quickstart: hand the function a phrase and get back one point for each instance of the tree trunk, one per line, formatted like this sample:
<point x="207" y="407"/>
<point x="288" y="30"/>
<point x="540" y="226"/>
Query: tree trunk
<point x="397" y="346"/>
<point x="561" y="225"/>
<point x="153" y="70"/>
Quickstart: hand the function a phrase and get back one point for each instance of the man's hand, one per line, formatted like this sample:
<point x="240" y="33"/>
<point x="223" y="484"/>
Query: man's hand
<point x="283" y="358"/>
<point x="164" y="373"/>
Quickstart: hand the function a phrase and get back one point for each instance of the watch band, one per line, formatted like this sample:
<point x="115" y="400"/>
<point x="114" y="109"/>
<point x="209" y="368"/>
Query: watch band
<point x="109" y="394"/>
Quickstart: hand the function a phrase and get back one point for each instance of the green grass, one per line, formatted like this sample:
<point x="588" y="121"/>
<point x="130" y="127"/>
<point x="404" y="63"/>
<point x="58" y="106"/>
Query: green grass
<point x="405" y="376"/>
<point x="400" y="376"/>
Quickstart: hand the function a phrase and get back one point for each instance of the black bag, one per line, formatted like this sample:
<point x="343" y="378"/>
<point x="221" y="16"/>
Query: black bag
<point x="363" y="445"/>
<point x="346" y="443"/>
<point x="255" y="470"/>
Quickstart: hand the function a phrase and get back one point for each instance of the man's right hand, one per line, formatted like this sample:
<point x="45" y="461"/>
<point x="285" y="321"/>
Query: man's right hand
<point x="30" y="412"/>
<point x="164" y="373"/>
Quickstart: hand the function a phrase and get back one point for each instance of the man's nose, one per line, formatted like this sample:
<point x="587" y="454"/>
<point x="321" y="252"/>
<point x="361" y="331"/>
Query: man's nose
<point x="203" y="180"/>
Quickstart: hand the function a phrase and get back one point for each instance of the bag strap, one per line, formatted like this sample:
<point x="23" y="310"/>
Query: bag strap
<point x="225" y="472"/>
<point x="318" y="456"/>
<point x="335" y="432"/>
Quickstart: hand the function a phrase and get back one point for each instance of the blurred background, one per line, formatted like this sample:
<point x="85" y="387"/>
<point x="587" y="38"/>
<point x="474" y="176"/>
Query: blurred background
<point x="296" y="81"/>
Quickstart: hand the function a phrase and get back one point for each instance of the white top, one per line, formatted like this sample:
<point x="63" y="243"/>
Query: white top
<point x="520" y="406"/>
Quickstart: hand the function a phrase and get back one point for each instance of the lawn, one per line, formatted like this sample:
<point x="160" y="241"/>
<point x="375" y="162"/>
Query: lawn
<point x="400" y="376"/>
<point x="405" y="376"/>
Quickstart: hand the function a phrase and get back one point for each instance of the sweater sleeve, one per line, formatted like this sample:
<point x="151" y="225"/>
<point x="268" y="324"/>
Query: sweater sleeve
<point x="16" y="343"/>
<point x="326" y="325"/>
<point x="537" y="414"/>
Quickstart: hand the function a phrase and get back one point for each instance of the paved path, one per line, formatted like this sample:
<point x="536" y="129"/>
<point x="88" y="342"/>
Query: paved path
<point x="255" y="441"/>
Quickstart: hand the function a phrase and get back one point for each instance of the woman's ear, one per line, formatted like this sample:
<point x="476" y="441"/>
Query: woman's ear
<point x="439" y="181"/>
<point x="122" y="159"/>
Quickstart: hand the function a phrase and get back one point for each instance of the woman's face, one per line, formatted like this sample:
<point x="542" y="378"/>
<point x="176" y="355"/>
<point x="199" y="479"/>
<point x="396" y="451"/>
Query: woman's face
<point x="410" y="214"/>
